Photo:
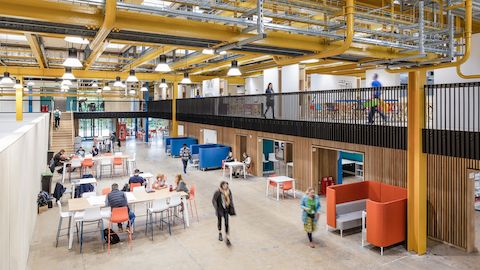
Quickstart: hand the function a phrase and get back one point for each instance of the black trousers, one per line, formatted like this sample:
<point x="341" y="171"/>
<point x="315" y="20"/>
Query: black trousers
<point x="219" y="222"/>
<point x="57" y="121"/>
<point x="269" y="105"/>
<point x="185" y="163"/>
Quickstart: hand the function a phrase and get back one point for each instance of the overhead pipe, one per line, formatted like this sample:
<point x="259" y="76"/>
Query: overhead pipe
<point x="349" y="12"/>
<point x="460" y="61"/>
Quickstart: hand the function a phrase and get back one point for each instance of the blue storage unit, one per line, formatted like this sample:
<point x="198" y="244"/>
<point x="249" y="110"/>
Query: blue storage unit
<point x="177" y="143"/>
<point x="210" y="155"/>
<point x="167" y="141"/>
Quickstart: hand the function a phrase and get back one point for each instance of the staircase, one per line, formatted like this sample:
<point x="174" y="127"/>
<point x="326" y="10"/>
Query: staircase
<point x="62" y="137"/>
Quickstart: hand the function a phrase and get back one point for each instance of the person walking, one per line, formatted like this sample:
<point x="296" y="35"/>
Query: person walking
<point x="113" y="138"/>
<point x="185" y="155"/>
<point x="374" y="103"/>
<point x="310" y="205"/>
<point x="223" y="204"/>
<point x="57" y="114"/>
<point x="270" y="101"/>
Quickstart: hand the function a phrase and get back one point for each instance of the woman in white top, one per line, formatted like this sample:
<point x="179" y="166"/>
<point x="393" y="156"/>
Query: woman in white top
<point x="247" y="160"/>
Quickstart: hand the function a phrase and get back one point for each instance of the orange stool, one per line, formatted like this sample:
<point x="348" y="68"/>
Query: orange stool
<point x="118" y="161"/>
<point x="119" y="215"/>
<point x="133" y="185"/>
<point x="106" y="190"/>
<point x="286" y="187"/>
<point x="87" y="163"/>
<point x="191" y="197"/>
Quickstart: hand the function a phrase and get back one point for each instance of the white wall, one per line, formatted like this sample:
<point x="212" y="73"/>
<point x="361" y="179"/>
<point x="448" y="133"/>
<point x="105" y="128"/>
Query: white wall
<point x="330" y="82"/>
<point x="254" y="85"/>
<point x="290" y="78"/>
<point x="271" y="76"/>
<point x="384" y="77"/>
<point x="211" y="88"/>
<point x="7" y="104"/>
<point x="20" y="183"/>
<point x="471" y="67"/>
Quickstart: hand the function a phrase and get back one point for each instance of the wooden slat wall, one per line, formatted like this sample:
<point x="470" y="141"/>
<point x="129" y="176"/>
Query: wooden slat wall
<point x="449" y="200"/>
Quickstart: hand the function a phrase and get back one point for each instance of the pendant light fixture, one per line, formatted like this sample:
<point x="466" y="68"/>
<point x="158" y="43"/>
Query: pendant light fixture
<point x="208" y="51"/>
<point x="68" y="75"/>
<point x="162" y="65"/>
<point x="99" y="91"/>
<point x="132" y="78"/>
<point x="186" y="79"/>
<point x="94" y="84"/>
<point x="131" y="92"/>
<point x="6" y="80"/>
<point x="72" y="59"/>
<point x="17" y="84"/>
<point x="64" y="88"/>
<point x="144" y="88"/>
<point x="163" y="84"/>
<point x="67" y="82"/>
<point x="234" y="70"/>
<point x="106" y="87"/>
<point x="117" y="82"/>
<point x="30" y="83"/>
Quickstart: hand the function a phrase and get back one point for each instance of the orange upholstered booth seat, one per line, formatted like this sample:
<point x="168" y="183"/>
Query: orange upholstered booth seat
<point x="386" y="208"/>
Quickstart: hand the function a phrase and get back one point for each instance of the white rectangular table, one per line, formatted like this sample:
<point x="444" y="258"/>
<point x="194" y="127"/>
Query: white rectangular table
<point x="80" y="204"/>
<point x="232" y="165"/>
<point x="280" y="180"/>
<point x="81" y="181"/>
<point x="95" y="159"/>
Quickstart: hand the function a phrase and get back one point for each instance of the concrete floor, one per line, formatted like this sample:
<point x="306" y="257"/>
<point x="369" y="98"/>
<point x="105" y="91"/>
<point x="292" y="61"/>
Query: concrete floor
<point x="266" y="234"/>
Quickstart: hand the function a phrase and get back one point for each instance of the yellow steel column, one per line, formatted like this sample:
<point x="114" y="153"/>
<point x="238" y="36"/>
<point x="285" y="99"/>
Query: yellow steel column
<point x="174" y="132"/>
<point x="416" y="165"/>
<point x="19" y="99"/>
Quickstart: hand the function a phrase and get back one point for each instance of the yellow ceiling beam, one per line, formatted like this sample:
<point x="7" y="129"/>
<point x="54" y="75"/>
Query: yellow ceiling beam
<point x="101" y="75"/>
<point x="98" y="45"/>
<point x="149" y="56"/>
<point x="36" y="49"/>
<point x="184" y="63"/>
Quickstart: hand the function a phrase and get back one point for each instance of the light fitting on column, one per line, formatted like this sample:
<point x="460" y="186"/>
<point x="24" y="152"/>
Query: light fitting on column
<point x="132" y="77"/>
<point x="234" y="70"/>
<point x="162" y="65"/>
<point x="186" y="79"/>
<point x="72" y="59"/>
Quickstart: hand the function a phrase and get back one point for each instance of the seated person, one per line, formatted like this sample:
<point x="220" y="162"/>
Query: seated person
<point x="160" y="182"/>
<point x="136" y="178"/>
<point x="80" y="152"/>
<point x="94" y="151"/>
<point x="180" y="184"/>
<point x="247" y="160"/>
<point x="58" y="160"/>
<point x="115" y="199"/>
<point x="229" y="158"/>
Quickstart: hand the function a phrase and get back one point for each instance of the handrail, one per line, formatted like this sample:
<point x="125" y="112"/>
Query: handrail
<point x="349" y="12"/>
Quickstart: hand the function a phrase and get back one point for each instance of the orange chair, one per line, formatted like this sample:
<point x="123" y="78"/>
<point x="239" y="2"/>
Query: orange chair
<point x="118" y="161"/>
<point x="286" y="187"/>
<point x="106" y="191"/>
<point x="134" y="185"/>
<point x="119" y="215"/>
<point x="191" y="197"/>
<point x="87" y="163"/>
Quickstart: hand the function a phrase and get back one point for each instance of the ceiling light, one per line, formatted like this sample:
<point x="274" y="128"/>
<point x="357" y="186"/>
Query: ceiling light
<point x="17" y="84"/>
<point x="106" y="87"/>
<point x="208" y="51"/>
<point x="162" y="65"/>
<point x="117" y="82"/>
<point x="76" y="40"/>
<point x="163" y="84"/>
<point x="99" y="90"/>
<point x="68" y="75"/>
<point x="64" y="88"/>
<point x="132" y="77"/>
<point x="310" y="61"/>
<point x="94" y="85"/>
<point x="132" y="92"/>
<point x="72" y="60"/>
<point x="144" y="88"/>
<point x="234" y="70"/>
<point x="30" y="83"/>
<point x="186" y="79"/>
<point x="25" y="89"/>
<point x="67" y="82"/>
<point x="6" y="80"/>
<point x="222" y="52"/>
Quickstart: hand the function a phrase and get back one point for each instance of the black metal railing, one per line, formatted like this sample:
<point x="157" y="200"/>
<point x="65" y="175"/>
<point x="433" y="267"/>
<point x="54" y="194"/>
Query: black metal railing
<point x="452" y="120"/>
<point x="380" y="106"/>
<point x="160" y="109"/>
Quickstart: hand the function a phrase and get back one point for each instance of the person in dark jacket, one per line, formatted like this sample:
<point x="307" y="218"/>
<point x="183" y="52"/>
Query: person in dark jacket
<point x="58" y="160"/>
<point x="136" y="178"/>
<point x="270" y="100"/>
<point x="94" y="151"/>
<point x="116" y="199"/>
<point x="223" y="203"/>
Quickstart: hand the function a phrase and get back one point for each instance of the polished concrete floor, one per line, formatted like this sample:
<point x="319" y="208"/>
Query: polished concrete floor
<point x="266" y="234"/>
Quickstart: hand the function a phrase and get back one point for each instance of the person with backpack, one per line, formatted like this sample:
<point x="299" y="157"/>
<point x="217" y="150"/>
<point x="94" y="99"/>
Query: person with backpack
<point x="117" y="198"/>
<point x="57" y="114"/>
<point x="223" y="203"/>
<point x="185" y="155"/>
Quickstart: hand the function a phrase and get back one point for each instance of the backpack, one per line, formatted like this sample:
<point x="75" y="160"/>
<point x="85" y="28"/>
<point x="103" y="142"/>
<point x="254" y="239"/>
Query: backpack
<point x="42" y="198"/>
<point x="114" y="239"/>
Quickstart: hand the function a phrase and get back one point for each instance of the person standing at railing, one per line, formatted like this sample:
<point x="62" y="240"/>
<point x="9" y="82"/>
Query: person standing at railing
<point x="270" y="100"/>
<point x="374" y="103"/>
